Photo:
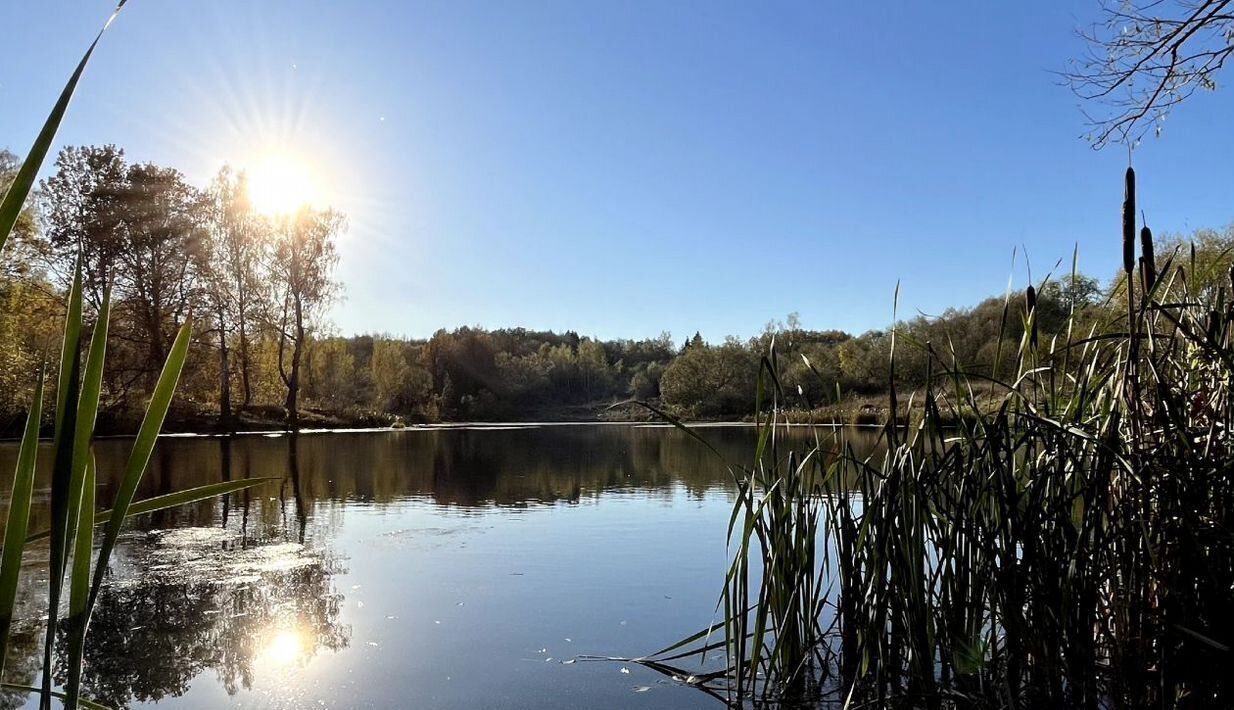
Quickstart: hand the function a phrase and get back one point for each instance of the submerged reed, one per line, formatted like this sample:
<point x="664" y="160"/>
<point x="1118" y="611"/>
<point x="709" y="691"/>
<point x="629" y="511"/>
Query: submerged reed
<point x="1067" y="543"/>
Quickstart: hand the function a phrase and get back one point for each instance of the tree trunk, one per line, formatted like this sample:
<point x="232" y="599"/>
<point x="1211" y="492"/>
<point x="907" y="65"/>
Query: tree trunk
<point x="225" y="420"/>
<point x="293" y="379"/>
<point x="156" y="354"/>
<point x="245" y="376"/>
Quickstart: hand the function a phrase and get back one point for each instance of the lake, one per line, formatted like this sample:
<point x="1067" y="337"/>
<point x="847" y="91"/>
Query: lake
<point x="447" y="567"/>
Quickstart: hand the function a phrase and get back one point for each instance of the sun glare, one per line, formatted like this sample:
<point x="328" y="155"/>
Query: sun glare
<point x="279" y="184"/>
<point x="286" y="647"/>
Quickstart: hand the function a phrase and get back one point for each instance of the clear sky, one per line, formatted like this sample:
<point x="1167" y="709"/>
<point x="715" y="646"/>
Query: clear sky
<point x="622" y="168"/>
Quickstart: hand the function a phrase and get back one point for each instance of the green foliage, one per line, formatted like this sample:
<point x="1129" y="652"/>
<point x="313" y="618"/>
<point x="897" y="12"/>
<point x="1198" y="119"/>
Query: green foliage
<point x="262" y="285"/>
<point x="400" y="384"/>
<point x="711" y="381"/>
<point x="645" y="382"/>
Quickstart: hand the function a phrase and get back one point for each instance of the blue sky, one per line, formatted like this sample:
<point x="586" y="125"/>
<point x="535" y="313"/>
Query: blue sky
<point x="622" y="168"/>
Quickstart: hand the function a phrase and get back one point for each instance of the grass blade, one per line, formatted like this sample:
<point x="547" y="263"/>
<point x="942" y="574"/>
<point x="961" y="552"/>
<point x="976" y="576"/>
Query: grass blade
<point x="172" y="500"/>
<point x="16" y="526"/>
<point x="147" y="435"/>
<point x="67" y="389"/>
<point x="79" y="590"/>
<point x="15" y="197"/>
<point x="85" y="416"/>
<point x="19" y="688"/>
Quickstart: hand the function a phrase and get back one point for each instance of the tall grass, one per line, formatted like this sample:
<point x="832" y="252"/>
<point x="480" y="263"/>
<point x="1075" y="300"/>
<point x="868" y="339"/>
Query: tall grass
<point x="73" y="475"/>
<point x="1068" y="543"/>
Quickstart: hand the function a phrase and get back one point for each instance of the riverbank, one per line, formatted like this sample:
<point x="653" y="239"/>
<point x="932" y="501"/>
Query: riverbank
<point x="860" y="411"/>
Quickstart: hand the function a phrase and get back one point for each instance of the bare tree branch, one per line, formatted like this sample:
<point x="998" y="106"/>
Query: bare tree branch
<point x="1145" y="58"/>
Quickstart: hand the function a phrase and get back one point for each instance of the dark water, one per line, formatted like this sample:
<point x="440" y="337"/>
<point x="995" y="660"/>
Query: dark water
<point x="438" y="568"/>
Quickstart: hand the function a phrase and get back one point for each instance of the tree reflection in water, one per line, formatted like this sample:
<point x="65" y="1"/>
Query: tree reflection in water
<point x="243" y="589"/>
<point x="189" y="600"/>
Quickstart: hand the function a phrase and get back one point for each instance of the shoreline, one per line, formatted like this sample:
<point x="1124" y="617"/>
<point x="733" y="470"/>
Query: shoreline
<point x="866" y="411"/>
<point x="448" y="426"/>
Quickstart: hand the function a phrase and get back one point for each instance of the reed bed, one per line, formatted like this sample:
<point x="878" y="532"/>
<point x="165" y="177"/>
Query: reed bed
<point x="1062" y="539"/>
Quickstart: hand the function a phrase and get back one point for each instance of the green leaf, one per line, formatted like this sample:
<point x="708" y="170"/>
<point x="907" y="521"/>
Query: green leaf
<point x="147" y="435"/>
<point x="16" y="527"/>
<point x="1205" y="639"/>
<point x="171" y="500"/>
<point x="15" y="197"/>
<point x="67" y="390"/>
<point x="79" y="590"/>
<point x="18" y="687"/>
<point x="677" y="423"/>
<point x="86" y="414"/>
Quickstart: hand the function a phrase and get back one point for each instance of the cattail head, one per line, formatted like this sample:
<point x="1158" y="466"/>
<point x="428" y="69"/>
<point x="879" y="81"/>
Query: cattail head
<point x="1030" y="308"/>
<point x="1129" y="222"/>
<point x="1146" y="255"/>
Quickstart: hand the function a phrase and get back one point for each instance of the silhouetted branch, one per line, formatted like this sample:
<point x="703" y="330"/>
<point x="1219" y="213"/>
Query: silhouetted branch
<point x="1145" y="58"/>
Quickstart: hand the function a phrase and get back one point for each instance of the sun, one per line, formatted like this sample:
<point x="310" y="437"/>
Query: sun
<point x="279" y="184"/>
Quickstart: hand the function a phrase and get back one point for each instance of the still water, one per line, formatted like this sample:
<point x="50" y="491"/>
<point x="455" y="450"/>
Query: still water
<point x="437" y="568"/>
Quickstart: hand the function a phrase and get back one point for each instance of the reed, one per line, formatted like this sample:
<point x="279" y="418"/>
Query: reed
<point x="74" y="515"/>
<point x="1062" y="541"/>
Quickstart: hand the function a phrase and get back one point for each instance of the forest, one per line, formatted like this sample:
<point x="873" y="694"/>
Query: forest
<point x="257" y="289"/>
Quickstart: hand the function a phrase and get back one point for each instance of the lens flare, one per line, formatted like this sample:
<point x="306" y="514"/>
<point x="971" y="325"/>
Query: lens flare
<point x="279" y="184"/>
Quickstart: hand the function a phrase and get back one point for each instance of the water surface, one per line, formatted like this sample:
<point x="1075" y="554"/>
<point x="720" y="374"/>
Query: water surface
<point x="443" y="568"/>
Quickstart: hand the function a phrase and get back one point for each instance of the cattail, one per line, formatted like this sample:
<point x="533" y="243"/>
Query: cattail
<point x="1030" y="307"/>
<point x="1146" y="255"/>
<point x="1129" y="222"/>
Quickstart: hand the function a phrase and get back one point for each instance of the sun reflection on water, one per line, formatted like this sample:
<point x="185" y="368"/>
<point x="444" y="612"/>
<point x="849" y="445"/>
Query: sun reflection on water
<point x="284" y="648"/>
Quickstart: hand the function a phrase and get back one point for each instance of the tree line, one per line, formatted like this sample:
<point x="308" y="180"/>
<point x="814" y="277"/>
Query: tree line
<point x="256" y="287"/>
